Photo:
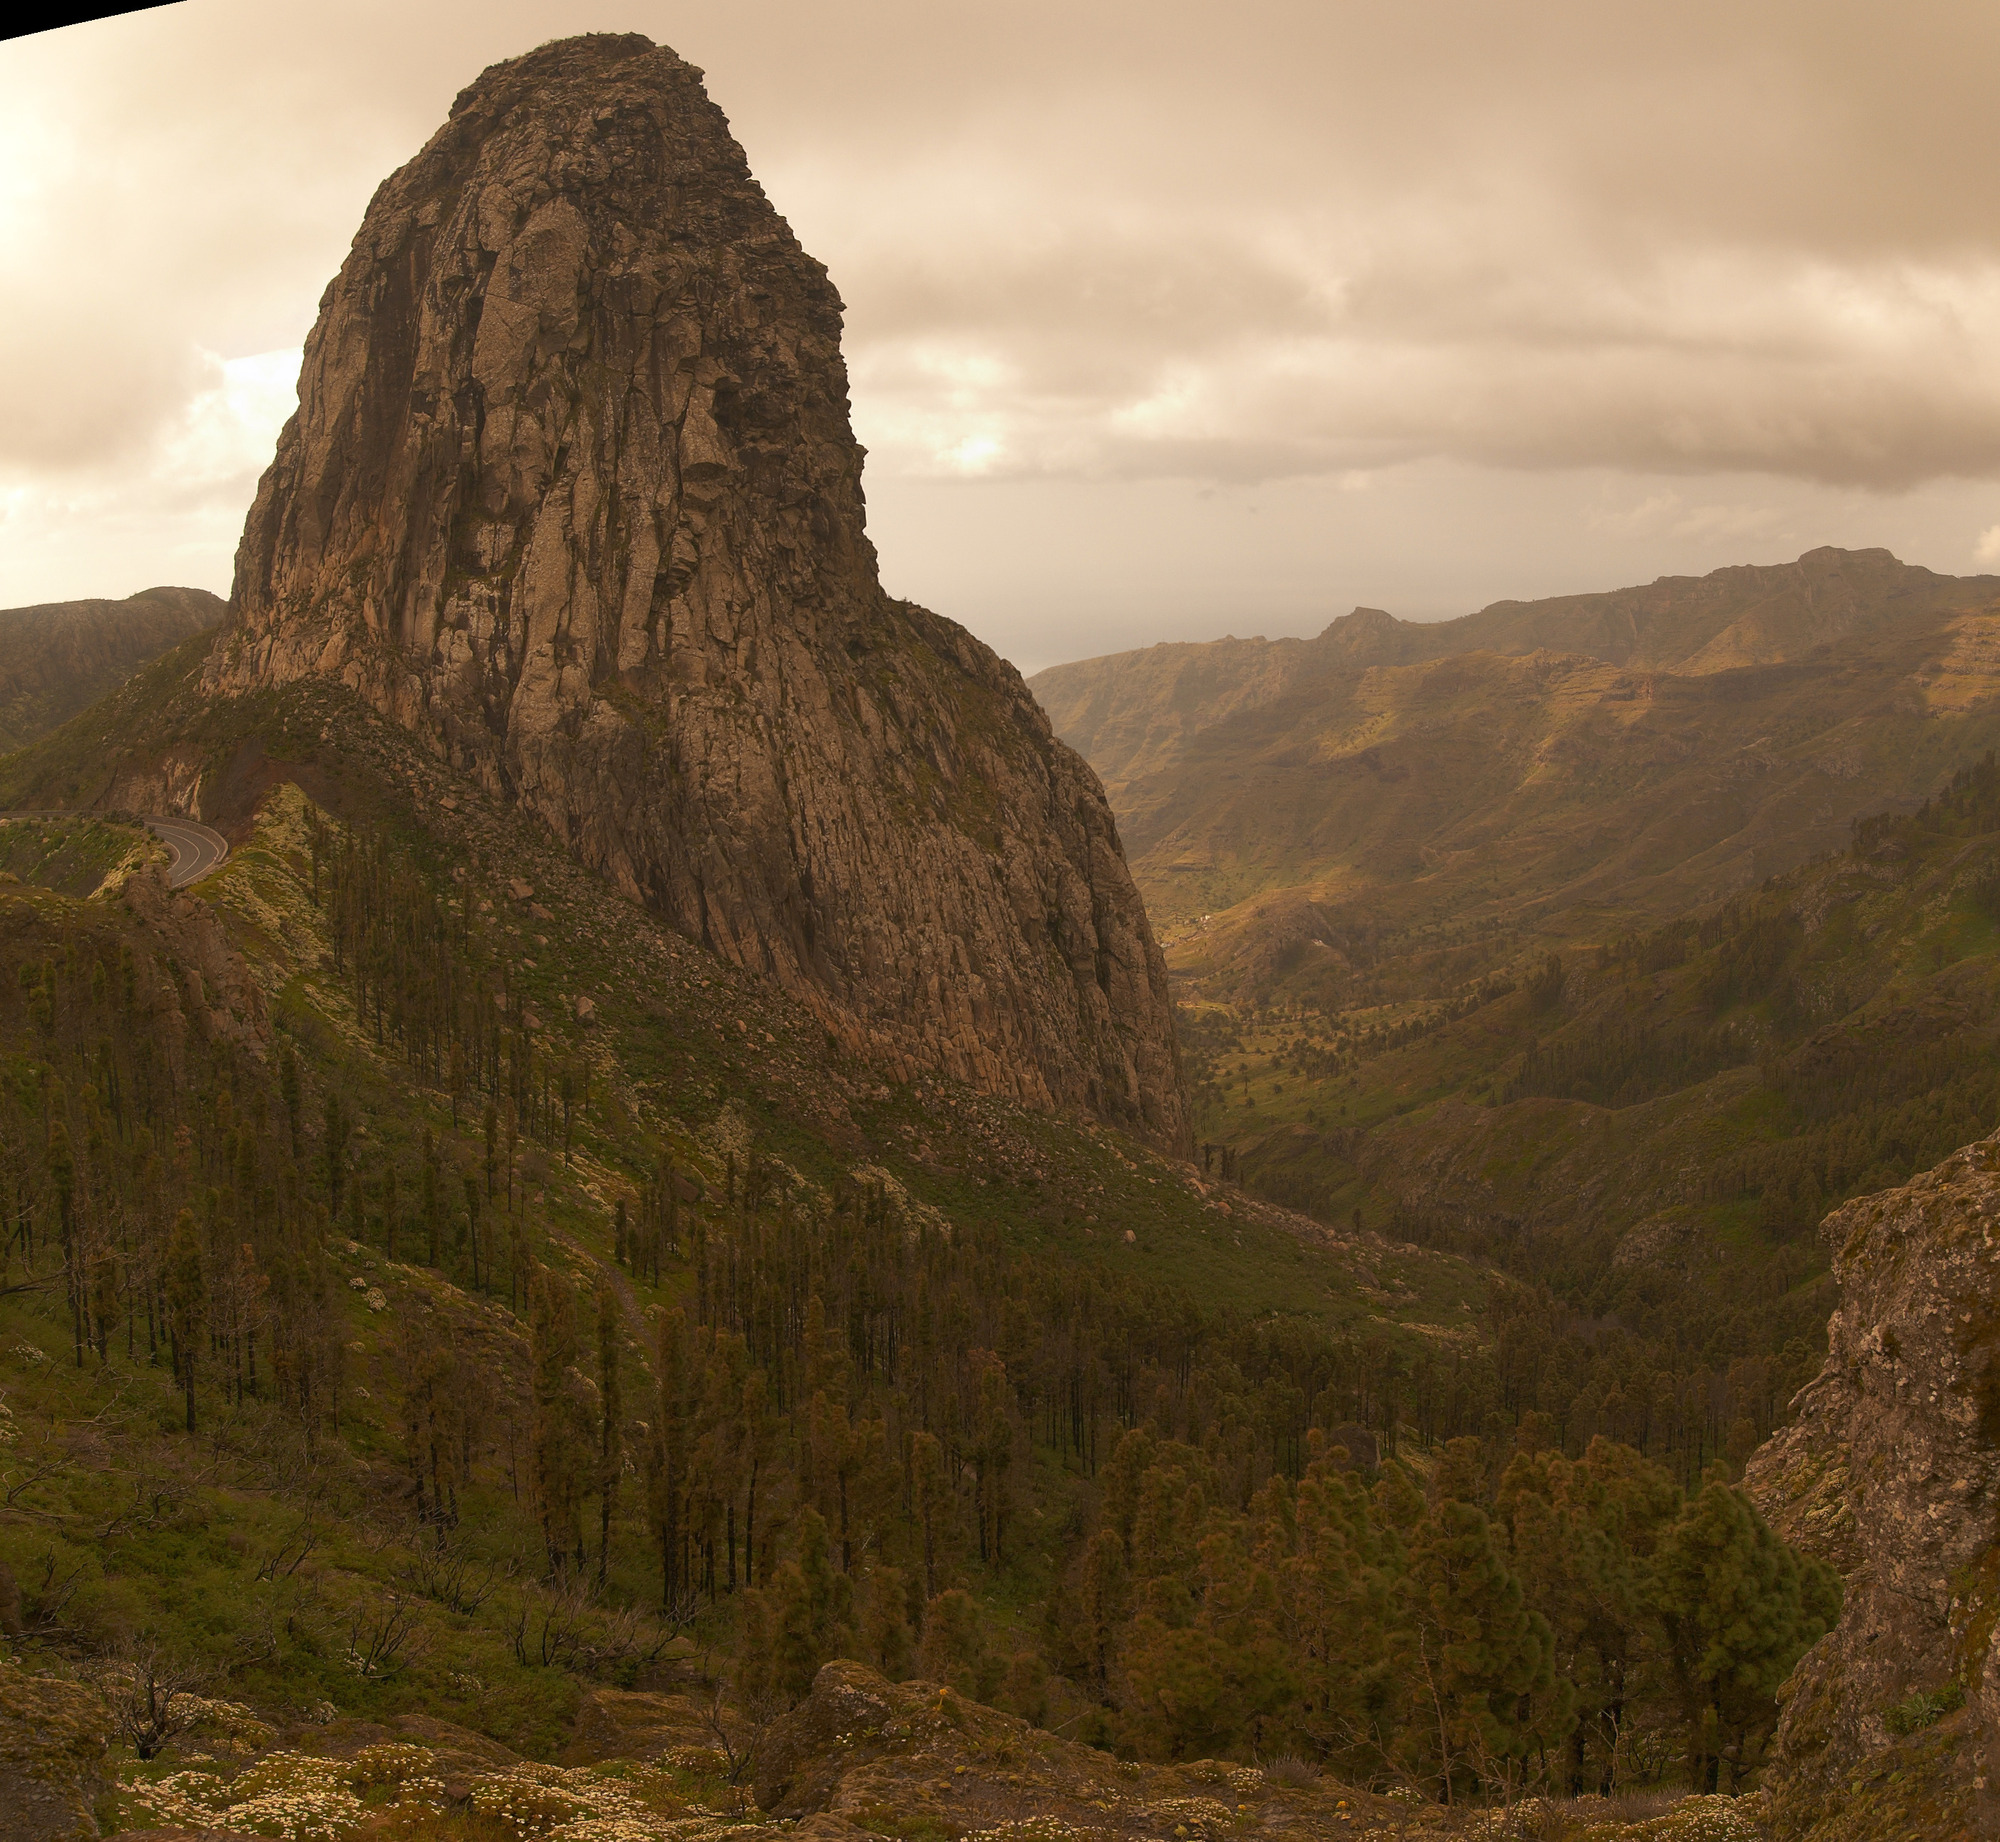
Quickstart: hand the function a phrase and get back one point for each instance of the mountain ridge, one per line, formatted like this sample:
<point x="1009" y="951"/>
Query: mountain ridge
<point x="59" y="657"/>
<point x="1258" y="784"/>
<point x="1126" y="712"/>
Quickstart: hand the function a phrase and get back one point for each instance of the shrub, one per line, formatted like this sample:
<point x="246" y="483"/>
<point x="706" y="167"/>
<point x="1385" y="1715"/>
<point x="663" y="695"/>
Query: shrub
<point x="1287" y="1768"/>
<point x="1923" y="1709"/>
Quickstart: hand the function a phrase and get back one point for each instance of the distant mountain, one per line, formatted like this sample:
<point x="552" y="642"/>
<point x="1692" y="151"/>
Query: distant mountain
<point x="1127" y="712"/>
<point x="1643" y="749"/>
<point x="61" y="656"/>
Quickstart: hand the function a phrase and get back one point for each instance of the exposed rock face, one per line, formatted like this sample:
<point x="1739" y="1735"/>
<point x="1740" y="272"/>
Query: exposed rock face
<point x="52" y="1740"/>
<point x="571" y="491"/>
<point x="860" y="1749"/>
<point x="1892" y="1472"/>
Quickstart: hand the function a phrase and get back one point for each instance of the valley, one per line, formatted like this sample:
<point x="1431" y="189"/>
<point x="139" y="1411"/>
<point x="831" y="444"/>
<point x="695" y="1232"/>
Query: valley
<point x="1617" y="982"/>
<point x="1558" y="976"/>
<point x="662" y="1252"/>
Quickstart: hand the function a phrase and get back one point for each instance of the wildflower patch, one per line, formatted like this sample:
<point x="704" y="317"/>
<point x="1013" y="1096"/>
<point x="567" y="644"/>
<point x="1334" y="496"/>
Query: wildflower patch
<point x="297" y="1797"/>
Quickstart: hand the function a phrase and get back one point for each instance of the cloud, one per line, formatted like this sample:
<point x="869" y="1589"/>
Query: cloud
<point x="1107" y="243"/>
<point x="1334" y="237"/>
<point x="170" y="511"/>
<point x="1215" y="345"/>
<point x="1667" y="514"/>
<point x="1986" y="552"/>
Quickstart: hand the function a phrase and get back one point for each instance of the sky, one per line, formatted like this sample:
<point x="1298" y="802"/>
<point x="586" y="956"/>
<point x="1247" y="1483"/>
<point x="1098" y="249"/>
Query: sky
<point x="1164" y="321"/>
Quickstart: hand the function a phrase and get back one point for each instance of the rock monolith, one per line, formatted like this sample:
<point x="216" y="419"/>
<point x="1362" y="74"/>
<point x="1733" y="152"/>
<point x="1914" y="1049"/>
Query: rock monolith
<point x="572" y="493"/>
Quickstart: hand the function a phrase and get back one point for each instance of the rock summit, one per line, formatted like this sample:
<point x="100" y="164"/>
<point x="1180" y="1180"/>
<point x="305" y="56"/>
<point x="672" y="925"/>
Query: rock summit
<point x="572" y="493"/>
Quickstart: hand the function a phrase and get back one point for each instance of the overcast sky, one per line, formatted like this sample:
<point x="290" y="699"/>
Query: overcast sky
<point x="1164" y="321"/>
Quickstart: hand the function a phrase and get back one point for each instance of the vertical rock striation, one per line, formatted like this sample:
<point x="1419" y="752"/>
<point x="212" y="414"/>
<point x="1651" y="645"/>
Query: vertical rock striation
<point x="1891" y="1472"/>
<point x="571" y="491"/>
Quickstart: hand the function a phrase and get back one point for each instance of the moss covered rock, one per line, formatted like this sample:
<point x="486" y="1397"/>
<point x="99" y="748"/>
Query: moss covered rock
<point x="52" y="1740"/>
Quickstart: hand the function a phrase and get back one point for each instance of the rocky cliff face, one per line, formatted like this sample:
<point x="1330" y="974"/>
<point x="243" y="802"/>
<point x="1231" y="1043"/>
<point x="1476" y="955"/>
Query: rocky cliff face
<point x="1891" y="1471"/>
<point x="571" y="492"/>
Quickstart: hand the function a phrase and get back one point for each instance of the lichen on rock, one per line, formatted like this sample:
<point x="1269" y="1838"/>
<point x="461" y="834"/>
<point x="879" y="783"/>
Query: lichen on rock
<point x="1891" y="1472"/>
<point x="53" y="1736"/>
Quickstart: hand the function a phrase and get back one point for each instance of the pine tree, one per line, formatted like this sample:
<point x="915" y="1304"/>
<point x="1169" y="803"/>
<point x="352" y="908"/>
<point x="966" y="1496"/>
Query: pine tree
<point x="952" y="1651"/>
<point x="392" y="1208"/>
<point x="1103" y="1600"/>
<point x="757" y="1670"/>
<point x="835" y="1455"/>
<point x="759" y="1440"/>
<point x="808" y="1603"/>
<point x="667" y="1482"/>
<point x="1480" y="1660"/>
<point x="611" y="1457"/>
<point x="432" y="1204"/>
<point x="1737" y="1609"/>
<point x="561" y="1428"/>
<point x="337" y="1127"/>
<point x="472" y="1226"/>
<point x="930" y="1498"/>
<point x="1217" y="1681"/>
<point x="884" y="1633"/>
<point x="187" y="1312"/>
<point x="993" y="1458"/>
<point x="289" y="1089"/>
<point x="1579" y="1536"/>
<point x="62" y="1178"/>
<point x="1334" y="1571"/>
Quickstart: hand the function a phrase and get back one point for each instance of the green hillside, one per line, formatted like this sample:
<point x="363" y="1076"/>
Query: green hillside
<point x="61" y="657"/>
<point x="1651" y="1124"/>
<point x="433" y="1289"/>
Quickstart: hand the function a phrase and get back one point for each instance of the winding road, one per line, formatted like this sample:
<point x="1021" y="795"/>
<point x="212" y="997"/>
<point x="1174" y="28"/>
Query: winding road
<point x="197" y="849"/>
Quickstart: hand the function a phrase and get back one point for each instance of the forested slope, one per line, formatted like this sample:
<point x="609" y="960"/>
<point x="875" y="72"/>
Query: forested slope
<point x="1651" y="1127"/>
<point x="433" y="1285"/>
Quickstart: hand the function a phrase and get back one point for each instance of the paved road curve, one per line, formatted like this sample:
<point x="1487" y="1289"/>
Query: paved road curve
<point x="196" y="848"/>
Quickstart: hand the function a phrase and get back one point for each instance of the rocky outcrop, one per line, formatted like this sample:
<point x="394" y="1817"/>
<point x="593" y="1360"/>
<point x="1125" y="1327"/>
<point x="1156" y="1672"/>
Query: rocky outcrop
<point x="571" y="492"/>
<point x="865" y="1756"/>
<point x="219" y="997"/>
<point x="457" y="1757"/>
<point x="52" y="1740"/>
<point x="1891" y="1472"/>
<point x="909" y="1758"/>
<point x="636" y="1724"/>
